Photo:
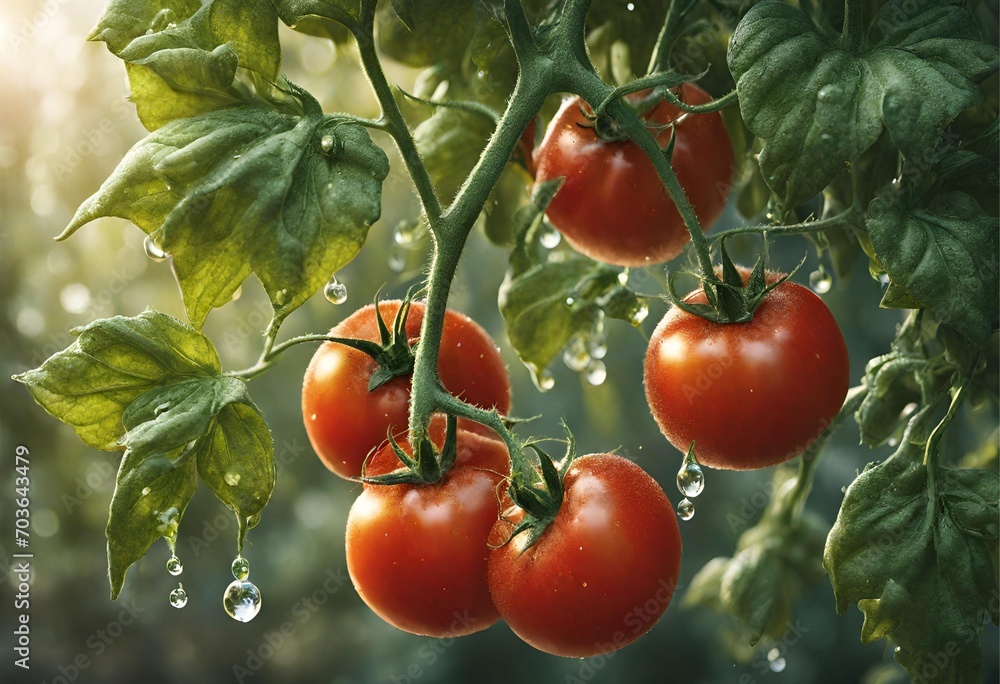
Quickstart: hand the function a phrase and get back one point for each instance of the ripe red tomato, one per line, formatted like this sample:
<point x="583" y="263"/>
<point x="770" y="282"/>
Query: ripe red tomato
<point x="749" y="395"/>
<point x="601" y="574"/>
<point x="345" y="422"/>
<point x="417" y="553"/>
<point x="613" y="207"/>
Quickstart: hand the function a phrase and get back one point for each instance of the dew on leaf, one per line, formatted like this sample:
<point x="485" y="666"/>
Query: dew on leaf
<point x="242" y="600"/>
<point x="335" y="291"/>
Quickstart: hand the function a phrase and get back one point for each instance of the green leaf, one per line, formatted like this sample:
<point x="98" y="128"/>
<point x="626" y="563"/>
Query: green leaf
<point x="248" y="188"/>
<point x="538" y="320"/>
<point x="236" y="461"/>
<point x="918" y="562"/>
<point x="182" y="58"/>
<point x="774" y="561"/>
<point x="151" y="494"/>
<point x="322" y="18"/>
<point x="450" y="142"/>
<point x="943" y="256"/>
<point x="818" y="104"/>
<point x="110" y="364"/>
<point x="170" y="416"/>
<point x="425" y="32"/>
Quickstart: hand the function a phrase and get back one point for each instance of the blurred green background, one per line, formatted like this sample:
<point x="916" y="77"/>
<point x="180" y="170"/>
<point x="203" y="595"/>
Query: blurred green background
<point x="64" y="124"/>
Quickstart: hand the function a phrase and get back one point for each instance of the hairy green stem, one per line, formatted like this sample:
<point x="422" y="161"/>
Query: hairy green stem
<point x="271" y="353"/>
<point x="668" y="33"/>
<point x="794" y="228"/>
<point x="392" y="121"/>
<point x="853" y="35"/>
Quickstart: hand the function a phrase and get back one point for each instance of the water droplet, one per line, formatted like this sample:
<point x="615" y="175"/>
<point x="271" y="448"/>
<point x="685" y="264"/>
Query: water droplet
<point x="775" y="661"/>
<point x="570" y="301"/>
<point x="596" y="373"/>
<point x="335" y="291"/>
<point x="408" y="233"/>
<point x="174" y="566"/>
<point x="638" y="313"/>
<point x="326" y="142"/>
<point x="396" y="260"/>
<point x="597" y="343"/>
<point x="242" y="600"/>
<point x="146" y="490"/>
<point x="237" y="294"/>
<point x="820" y="280"/>
<point x="575" y="354"/>
<point x="153" y="250"/>
<point x="685" y="509"/>
<point x="549" y="237"/>
<point x="161" y="408"/>
<point x="232" y="479"/>
<point x="623" y="277"/>
<point x="897" y="184"/>
<point x="241" y="568"/>
<point x="543" y="379"/>
<point x="690" y="479"/>
<point x="178" y="597"/>
<point x="892" y="442"/>
<point x="281" y="297"/>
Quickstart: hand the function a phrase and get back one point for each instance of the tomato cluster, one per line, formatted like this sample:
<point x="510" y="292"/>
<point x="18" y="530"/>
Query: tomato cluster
<point x="445" y="558"/>
<point x="591" y="562"/>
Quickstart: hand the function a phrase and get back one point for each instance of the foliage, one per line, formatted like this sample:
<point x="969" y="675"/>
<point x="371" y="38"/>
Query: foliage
<point x="880" y="119"/>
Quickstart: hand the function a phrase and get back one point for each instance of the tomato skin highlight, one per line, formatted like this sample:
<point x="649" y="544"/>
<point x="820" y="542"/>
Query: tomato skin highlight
<point x="613" y="206"/>
<point x="345" y="422"/>
<point x="604" y="570"/>
<point x="417" y="553"/>
<point x="749" y="395"/>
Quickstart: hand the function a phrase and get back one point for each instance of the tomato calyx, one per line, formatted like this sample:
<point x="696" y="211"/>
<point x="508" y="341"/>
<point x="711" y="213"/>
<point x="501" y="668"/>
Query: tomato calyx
<point x="735" y="296"/>
<point x="426" y="465"/>
<point x="538" y="494"/>
<point x="393" y="353"/>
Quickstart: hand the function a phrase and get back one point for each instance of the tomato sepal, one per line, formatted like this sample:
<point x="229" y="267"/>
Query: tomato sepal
<point x="734" y="297"/>
<point x="426" y="465"/>
<point x="539" y="499"/>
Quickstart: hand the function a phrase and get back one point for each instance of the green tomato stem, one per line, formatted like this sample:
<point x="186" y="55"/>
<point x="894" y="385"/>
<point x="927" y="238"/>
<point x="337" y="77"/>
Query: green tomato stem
<point x="852" y="37"/>
<point x="392" y="121"/>
<point x="658" y="61"/>
<point x="817" y="226"/>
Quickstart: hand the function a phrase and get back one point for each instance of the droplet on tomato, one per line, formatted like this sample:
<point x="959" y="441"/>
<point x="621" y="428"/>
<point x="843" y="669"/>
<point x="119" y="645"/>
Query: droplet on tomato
<point x="685" y="509"/>
<point x="335" y="291"/>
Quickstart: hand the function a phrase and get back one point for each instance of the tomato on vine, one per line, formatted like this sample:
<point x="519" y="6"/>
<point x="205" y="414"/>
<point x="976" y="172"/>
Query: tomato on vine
<point x="751" y="394"/>
<point x="613" y="206"/>
<point x="602" y="571"/>
<point x="417" y="552"/>
<point x="346" y="421"/>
